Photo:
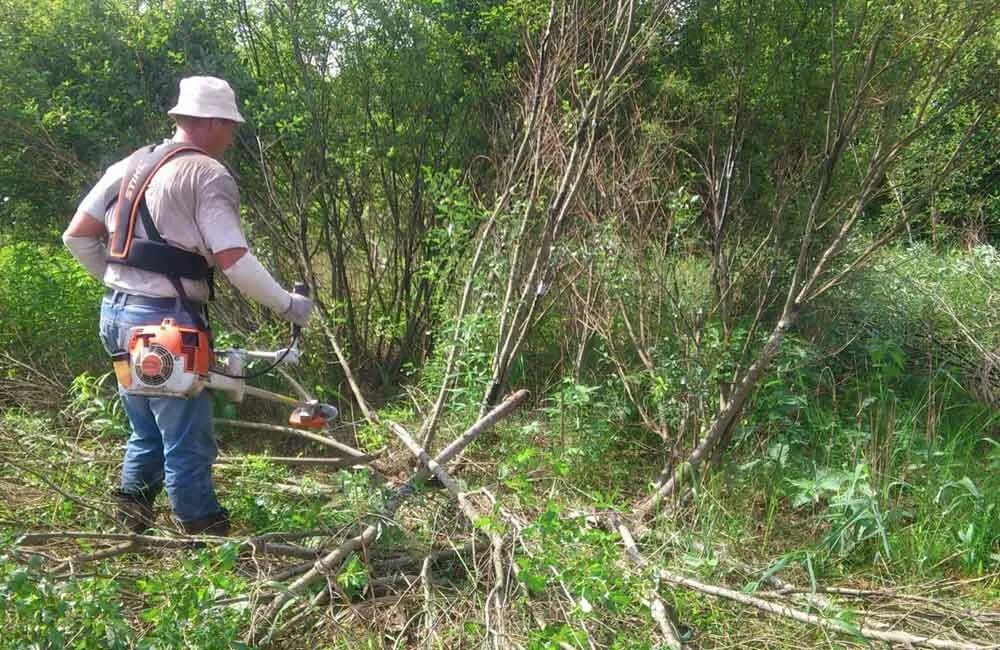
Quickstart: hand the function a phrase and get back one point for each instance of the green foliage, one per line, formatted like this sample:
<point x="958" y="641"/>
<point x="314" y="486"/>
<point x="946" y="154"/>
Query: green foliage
<point x="254" y="500"/>
<point x="371" y="437"/>
<point x="874" y="447"/>
<point x="179" y="609"/>
<point x="977" y="532"/>
<point x="95" y="403"/>
<point x="353" y="577"/>
<point x="38" y="612"/>
<point x="456" y="220"/>
<point x="565" y="553"/>
<point x="48" y="308"/>
<point x="180" y="603"/>
<point x="854" y="513"/>
<point x="471" y="370"/>
<point x="374" y="124"/>
<point x="86" y="83"/>
<point x="920" y="299"/>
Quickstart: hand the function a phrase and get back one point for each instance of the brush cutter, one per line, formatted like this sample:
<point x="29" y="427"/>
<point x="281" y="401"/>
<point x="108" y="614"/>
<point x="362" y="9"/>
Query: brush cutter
<point x="169" y="360"/>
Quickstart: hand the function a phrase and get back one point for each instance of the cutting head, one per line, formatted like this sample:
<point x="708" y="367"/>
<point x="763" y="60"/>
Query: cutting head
<point x="313" y="415"/>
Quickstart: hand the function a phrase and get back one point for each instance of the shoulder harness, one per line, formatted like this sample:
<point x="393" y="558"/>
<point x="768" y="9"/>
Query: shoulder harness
<point x="152" y="253"/>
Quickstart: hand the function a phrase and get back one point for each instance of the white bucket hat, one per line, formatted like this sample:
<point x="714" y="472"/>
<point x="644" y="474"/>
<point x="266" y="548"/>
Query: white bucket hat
<point x="207" y="97"/>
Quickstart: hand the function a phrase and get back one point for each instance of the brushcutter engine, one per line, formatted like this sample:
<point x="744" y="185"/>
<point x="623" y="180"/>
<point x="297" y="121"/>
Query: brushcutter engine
<point x="169" y="360"/>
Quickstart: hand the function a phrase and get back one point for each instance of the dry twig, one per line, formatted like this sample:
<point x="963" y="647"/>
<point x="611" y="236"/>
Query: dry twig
<point x="263" y="624"/>
<point x="323" y="440"/>
<point x="894" y="636"/>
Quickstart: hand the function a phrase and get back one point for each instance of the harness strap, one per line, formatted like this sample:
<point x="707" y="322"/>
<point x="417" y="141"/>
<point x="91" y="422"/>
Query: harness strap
<point x="142" y="166"/>
<point x="154" y="253"/>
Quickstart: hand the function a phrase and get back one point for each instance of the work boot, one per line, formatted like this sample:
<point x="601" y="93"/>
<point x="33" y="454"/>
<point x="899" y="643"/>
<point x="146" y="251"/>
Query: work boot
<point x="217" y="525"/>
<point x="134" y="512"/>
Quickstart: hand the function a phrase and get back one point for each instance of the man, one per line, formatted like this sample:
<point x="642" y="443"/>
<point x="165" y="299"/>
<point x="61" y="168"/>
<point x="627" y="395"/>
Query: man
<point x="191" y="205"/>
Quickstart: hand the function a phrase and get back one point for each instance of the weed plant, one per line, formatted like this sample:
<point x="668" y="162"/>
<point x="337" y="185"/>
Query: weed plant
<point x="885" y="475"/>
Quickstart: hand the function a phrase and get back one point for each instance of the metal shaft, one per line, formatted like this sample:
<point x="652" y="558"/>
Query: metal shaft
<point x="273" y="397"/>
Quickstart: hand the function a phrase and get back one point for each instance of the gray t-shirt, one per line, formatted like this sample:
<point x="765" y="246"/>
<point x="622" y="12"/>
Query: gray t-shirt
<point x="195" y="205"/>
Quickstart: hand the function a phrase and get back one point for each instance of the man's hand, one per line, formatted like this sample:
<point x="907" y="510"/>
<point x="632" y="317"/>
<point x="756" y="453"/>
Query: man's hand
<point x="254" y="281"/>
<point x="299" y="310"/>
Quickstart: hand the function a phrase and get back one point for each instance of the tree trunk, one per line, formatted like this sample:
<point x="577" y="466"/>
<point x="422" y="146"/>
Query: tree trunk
<point x="723" y="421"/>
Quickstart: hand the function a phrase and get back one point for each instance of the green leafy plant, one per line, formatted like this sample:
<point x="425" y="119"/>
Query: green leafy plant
<point x="48" y="308"/>
<point x="581" y="558"/>
<point x="978" y="531"/>
<point x="96" y="405"/>
<point x="39" y="612"/>
<point x="353" y="576"/>
<point x="853" y="510"/>
<point x="180" y="603"/>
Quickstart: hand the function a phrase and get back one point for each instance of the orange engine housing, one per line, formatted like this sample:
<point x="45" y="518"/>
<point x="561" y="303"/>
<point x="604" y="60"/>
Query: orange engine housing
<point x="168" y="359"/>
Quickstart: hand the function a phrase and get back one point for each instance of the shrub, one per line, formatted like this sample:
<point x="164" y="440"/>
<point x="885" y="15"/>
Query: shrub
<point x="38" y="612"/>
<point x="48" y="308"/>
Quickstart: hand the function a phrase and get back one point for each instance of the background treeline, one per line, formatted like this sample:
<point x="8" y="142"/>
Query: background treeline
<point x="742" y="253"/>
<point x="378" y="135"/>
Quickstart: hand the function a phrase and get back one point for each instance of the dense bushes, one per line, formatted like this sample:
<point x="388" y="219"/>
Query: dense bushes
<point x="925" y="311"/>
<point x="49" y="309"/>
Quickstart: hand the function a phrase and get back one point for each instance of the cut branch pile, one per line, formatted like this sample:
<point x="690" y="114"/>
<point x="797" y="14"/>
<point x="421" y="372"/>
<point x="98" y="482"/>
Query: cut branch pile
<point x="276" y="607"/>
<point x="264" y="625"/>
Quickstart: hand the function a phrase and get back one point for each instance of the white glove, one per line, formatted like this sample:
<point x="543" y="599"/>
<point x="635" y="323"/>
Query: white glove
<point x="253" y="280"/>
<point x="298" y="310"/>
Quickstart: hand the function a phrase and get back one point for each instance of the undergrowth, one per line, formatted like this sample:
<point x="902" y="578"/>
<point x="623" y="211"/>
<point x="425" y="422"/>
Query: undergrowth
<point x="855" y="464"/>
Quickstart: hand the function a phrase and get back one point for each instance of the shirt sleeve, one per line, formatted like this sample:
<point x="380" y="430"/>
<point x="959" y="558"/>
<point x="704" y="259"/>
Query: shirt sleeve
<point x="218" y="213"/>
<point x="96" y="202"/>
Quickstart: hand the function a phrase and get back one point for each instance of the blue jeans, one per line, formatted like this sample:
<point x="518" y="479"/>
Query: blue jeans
<point x="172" y="442"/>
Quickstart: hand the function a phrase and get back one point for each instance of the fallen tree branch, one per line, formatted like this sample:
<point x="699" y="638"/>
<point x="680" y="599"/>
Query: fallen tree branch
<point x="884" y="594"/>
<point x="103" y="554"/>
<point x="35" y="539"/>
<point x="329" y="563"/>
<point x="127" y="542"/>
<point x="323" y="440"/>
<point x="428" y="612"/>
<point x="658" y="610"/>
<point x="889" y="595"/>
<point x="903" y="638"/>
<point x="811" y="597"/>
<point x="495" y="631"/>
<point x="327" y="463"/>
